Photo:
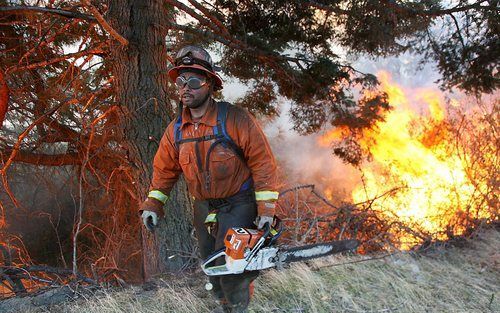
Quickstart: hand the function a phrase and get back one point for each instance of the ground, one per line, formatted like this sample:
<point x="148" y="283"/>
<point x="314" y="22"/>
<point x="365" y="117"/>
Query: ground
<point x="456" y="278"/>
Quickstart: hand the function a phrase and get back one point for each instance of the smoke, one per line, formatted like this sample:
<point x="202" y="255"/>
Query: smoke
<point x="43" y="223"/>
<point x="303" y="161"/>
<point x="406" y="70"/>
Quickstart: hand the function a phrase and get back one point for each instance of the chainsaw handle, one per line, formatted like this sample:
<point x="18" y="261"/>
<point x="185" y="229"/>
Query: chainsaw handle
<point x="217" y="254"/>
<point x="211" y="258"/>
<point x="230" y="266"/>
<point x="266" y="229"/>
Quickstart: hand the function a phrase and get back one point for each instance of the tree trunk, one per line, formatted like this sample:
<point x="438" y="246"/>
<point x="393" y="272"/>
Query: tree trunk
<point x="4" y="98"/>
<point x="140" y="78"/>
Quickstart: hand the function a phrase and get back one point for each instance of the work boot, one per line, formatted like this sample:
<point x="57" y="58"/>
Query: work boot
<point x="238" y="308"/>
<point x="223" y="307"/>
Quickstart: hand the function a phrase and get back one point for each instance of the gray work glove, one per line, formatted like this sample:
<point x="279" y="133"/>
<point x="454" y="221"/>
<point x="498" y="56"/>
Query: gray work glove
<point x="262" y="220"/>
<point x="150" y="219"/>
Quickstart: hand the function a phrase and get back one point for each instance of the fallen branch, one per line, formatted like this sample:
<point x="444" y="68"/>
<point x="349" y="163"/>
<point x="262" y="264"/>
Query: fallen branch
<point x="16" y="283"/>
<point x="16" y="270"/>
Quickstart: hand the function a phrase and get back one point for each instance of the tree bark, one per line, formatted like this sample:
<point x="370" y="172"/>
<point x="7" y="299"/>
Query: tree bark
<point x="140" y="72"/>
<point x="4" y="98"/>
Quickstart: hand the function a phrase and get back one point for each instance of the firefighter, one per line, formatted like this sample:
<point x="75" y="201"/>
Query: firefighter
<point x="227" y="163"/>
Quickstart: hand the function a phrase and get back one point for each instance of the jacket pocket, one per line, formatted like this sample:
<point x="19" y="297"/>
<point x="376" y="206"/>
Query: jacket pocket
<point x="187" y="165"/>
<point x="223" y="163"/>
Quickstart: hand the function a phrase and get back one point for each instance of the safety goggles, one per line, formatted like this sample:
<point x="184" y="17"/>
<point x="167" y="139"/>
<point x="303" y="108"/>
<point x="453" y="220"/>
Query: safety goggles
<point x="192" y="82"/>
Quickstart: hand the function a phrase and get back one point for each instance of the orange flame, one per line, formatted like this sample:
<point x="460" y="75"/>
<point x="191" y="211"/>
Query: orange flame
<point x="332" y="135"/>
<point x="411" y="152"/>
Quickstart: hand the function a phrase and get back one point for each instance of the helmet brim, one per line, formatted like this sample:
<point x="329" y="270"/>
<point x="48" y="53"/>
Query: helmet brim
<point x="173" y="73"/>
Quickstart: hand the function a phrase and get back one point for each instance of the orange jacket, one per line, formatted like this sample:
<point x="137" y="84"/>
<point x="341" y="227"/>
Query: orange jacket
<point x="227" y="171"/>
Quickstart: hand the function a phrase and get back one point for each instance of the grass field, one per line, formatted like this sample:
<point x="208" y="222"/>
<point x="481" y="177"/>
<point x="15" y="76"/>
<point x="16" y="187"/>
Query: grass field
<point x="452" y="279"/>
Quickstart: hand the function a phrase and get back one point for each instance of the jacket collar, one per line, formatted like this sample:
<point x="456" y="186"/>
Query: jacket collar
<point x="209" y="118"/>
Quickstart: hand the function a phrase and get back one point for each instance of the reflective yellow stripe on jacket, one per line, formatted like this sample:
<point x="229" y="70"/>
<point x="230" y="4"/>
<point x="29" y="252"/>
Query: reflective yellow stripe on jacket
<point x="158" y="195"/>
<point x="266" y="195"/>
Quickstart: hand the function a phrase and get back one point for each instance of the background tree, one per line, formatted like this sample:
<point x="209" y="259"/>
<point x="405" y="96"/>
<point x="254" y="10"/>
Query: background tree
<point x="87" y="88"/>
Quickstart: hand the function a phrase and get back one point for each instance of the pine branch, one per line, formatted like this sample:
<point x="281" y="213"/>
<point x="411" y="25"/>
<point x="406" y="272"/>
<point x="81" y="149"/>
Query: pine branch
<point x="97" y="50"/>
<point x="212" y="18"/>
<point x="17" y="146"/>
<point x="100" y="19"/>
<point x="63" y="130"/>
<point x="32" y="9"/>
<point x="203" y="21"/>
<point x="324" y="7"/>
<point x="400" y="8"/>
<point x="403" y="9"/>
<point x="203" y="33"/>
<point x="40" y="158"/>
<point x="44" y="42"/>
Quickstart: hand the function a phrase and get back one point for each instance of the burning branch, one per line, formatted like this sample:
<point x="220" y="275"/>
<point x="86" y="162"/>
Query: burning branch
<point x="313" y="220"/>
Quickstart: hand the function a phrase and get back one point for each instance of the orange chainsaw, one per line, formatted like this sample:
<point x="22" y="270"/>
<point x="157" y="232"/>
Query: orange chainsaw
<point x="251" y="250"/>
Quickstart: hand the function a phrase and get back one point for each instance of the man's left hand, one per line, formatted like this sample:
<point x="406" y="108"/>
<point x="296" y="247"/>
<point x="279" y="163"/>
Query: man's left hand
<point x="262" y="220"/>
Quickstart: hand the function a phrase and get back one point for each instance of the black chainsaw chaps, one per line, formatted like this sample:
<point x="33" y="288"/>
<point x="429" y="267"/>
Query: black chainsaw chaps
<point x="237" y="211"/>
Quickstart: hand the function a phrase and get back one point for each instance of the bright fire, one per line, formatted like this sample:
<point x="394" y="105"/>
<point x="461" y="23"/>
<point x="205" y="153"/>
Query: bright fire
<point x="412" y="153"/>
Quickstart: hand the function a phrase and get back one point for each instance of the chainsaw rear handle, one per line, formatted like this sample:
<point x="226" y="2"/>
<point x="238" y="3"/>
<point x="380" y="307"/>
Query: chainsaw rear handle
<point x="266" y="229"/>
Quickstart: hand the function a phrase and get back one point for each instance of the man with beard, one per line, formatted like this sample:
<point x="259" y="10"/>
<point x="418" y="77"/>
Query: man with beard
<point x="227" y="163"/>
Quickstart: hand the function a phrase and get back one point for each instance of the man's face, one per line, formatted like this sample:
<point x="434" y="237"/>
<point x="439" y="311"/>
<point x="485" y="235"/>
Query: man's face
<point x="194" y="98"/>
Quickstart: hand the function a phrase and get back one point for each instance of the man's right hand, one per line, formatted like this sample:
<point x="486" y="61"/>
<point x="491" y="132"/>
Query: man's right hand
<point x="150" y="219"/>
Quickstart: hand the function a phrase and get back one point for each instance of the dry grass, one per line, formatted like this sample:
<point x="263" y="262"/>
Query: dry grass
<point x="456" y="279"/>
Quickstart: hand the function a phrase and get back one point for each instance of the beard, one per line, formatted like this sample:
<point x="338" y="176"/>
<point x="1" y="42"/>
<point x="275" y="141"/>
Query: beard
<point x="196" y="103"/>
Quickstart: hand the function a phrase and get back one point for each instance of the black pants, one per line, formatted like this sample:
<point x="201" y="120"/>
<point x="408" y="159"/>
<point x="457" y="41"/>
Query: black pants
<point x="236" y="211"/>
